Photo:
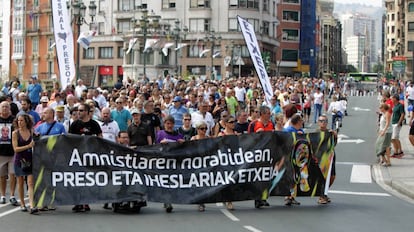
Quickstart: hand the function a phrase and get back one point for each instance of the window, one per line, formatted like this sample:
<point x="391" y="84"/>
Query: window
<point x="411" y="26"/>
<point x="255" y="23"/>
<point x="265" y="27"/>
<point x="35" y="45"/>
<point x="125" y="5"/>
<point x="195" y="50"/>
<point x="18" y="23"/>
<point x="105" y="52"/>
<point x="89" y="53"/>
<point x="199" y="25"/>
<point x="291" y="1"/>
<point x="124" y="26"/>
<point x="411" y="7"/>
<point x="51" y="44"/>
<point x="233" y="25"/>
<point x="101" y="6"/>
<point x="291" y="16"/>
<point x="18" y="46"/>
<point x="289" y="55"/>
<point x="254" y="4"/>
<point x="200" y="4"/>
<point x="290" y="35"/>
<point x="35" y="68"/>
<point x="168" y="4"/>
<point x="120" y="52"/>
<point x="266" y="5"/>
<point x="35" y="21"/>
<point x="101" y="28"/>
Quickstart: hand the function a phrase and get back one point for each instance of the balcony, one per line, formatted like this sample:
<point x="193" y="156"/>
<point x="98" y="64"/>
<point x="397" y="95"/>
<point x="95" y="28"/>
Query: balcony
<point x="46" y="7"/>
<point x="33" y="32"/>
<point x="46" y="30"/>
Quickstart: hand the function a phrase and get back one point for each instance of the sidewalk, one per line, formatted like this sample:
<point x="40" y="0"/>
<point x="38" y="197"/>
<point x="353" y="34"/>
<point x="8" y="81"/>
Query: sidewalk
<point x="400" y="175"/>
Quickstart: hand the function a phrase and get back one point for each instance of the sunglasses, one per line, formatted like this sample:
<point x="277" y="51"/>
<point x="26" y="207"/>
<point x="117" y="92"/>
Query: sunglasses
<point x="187" y="119"/>
<point x="202" y="128"/>
<point x="231" y="121"/>
<point x="326" y="121"/>
<point x="81" y="110"/>
<point x="118" y="102"/>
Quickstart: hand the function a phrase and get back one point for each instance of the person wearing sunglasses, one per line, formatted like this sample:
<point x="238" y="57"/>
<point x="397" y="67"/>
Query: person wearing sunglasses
<point x="201" y="129"/>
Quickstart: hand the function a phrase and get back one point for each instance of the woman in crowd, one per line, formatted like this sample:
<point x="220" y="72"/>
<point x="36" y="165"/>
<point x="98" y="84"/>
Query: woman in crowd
<point x="23" y="144"/>
<point x="228" y="130"/>
<point x="220" y="125"/>
<point x="201" y="128"/>
<point x="383" y="143"/>
<point x="166" y="136"/>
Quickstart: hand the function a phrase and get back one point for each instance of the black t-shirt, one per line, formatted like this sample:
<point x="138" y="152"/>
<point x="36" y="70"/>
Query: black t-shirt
<point x="152" y="121"/>
<point x="138" y="134"/>
<point x="241" y="128"/>
<point x="6" y="127"/>
<point x="187" y="133"/>
<point x="90" y="127"/>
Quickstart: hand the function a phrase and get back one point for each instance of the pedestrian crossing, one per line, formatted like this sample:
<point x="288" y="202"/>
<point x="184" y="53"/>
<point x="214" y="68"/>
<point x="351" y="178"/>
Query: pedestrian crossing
<point x="360" y="173"/>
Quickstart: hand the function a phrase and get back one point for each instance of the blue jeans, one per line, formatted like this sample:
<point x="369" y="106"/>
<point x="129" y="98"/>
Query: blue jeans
<point x="318" y="111"/>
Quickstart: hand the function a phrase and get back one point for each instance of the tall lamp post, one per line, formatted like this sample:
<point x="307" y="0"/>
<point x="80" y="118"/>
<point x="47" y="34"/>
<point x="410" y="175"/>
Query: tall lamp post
<point x="79" y="12"/>
<point x="177" y="31"/>
<point x="147" y="22"/>
<point x="214" y="40"/>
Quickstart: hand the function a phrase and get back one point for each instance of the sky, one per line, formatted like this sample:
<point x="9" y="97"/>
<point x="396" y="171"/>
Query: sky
<point x="367" y="2"/>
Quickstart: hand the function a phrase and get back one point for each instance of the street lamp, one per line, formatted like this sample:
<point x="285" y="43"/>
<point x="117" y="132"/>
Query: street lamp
<point x="146" y="22"/>
<point x="79" y="12"/>
<point x="177" y="31"/>
<point x="214" y="40"/>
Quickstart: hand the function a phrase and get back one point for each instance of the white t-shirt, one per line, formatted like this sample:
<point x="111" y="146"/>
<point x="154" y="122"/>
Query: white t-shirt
<point x="240" y="93"/>
<point x="410" y="92"/>
<point x="318" y="98"/>
<point x="109" y="130"/>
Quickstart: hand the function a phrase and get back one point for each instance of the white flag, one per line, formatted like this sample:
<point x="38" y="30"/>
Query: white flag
<point x="217" y="53"/>
<point x="150" y="43"/>
<point x="85" y="38"/>
<point x="131" y="44"/>
<point x="64" y="42"/>
<point x="204" y="52"/>
<point x="180" y="45"/>
<point x="166" y="47"/>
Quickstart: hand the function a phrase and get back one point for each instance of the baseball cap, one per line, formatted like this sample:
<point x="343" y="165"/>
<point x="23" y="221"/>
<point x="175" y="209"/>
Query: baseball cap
<point x="135" y="111"/>
<point x="177" y="99"/>
<point x="34" y="77"/>
<point x="60" y="108"/>
<point x="44" y="99"/>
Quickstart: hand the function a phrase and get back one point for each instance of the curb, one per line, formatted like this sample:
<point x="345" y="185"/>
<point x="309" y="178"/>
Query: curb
<point x="402" y="188"/>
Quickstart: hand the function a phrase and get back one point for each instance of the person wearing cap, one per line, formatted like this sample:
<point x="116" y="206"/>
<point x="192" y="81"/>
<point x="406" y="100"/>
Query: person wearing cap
<point x="34" y="90"/>
<point x="60" y="114"/>
<point x="398" y="116"/>
<point x="43" y="105"/>
<point x="139" y="133"/>
<point x="99" y="98"/>
<point x="177" y="111"/>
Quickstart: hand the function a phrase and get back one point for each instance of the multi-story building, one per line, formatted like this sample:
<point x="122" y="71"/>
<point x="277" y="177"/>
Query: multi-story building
<point x="188" y="38"/>
<point x="399" y="38"/>
<point x="288" y="33"/>
<point x="31" y="38"/>
<point x="329" y="42"/>
<point x="4" y="39"/>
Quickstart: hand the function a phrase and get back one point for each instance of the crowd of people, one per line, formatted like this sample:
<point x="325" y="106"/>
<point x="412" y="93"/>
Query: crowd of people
<point x="165" y="110"/>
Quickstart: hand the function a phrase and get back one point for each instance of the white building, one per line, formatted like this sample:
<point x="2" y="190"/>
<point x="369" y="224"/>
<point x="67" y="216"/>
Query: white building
<point x="4" y="39"/>
<point x="355" y="48"/>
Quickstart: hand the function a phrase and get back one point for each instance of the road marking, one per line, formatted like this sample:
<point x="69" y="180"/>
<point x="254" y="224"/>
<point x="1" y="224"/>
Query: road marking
<point x="9" y="212"/>
<point x="357" y="141"/>
<point x="350" y="163"/>
<point x="360" y="193"/>
<point x="229" y="215"/>
<point x="251" y="228"/>
<point x="360" y="109"/>
<point x="361" y="174"/>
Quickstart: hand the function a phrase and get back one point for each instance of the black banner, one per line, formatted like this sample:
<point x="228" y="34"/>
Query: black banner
<point x="72" y="169"/>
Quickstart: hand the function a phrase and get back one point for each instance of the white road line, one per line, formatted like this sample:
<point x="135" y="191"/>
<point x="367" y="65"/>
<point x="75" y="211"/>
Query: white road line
<point x="361" y="174"/>
<point x="251" y="228"/>
<point x="350" y="163"/>
<point x="360" y="193"/>
<point x="9" y="212"/>
<point x="229" y="215"/>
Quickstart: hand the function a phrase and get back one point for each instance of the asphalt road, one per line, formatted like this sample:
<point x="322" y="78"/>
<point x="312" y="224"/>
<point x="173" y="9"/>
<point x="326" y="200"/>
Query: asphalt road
<point x="358" y="203"/>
